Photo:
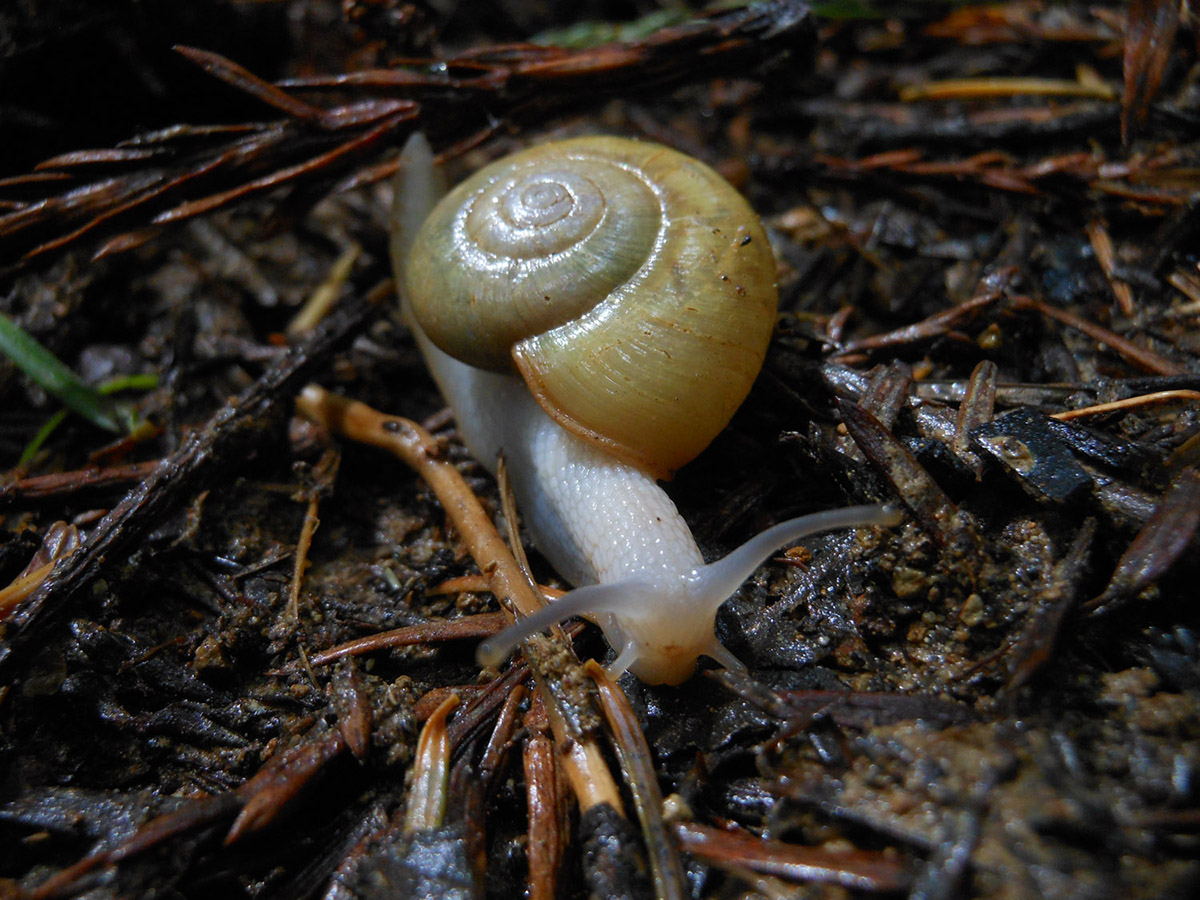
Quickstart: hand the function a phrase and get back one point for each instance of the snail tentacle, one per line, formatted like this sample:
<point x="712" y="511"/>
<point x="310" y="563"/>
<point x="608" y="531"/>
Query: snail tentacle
<point x="723" y="577"/>
<point x="659" y="626"/>
<point x="627" y="656"/>
<point x="589" y="600"/>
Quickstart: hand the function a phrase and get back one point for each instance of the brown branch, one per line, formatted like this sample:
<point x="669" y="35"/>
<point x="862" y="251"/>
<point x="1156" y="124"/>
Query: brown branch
<point x="184" y="170"/>
<point x="225" y="441"/>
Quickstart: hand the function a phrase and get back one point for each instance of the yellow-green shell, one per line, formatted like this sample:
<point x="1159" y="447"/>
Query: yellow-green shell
<point x="631" y="286"/>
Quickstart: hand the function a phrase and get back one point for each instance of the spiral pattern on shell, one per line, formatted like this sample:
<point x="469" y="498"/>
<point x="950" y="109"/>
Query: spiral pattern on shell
<point x="631" y="286"/>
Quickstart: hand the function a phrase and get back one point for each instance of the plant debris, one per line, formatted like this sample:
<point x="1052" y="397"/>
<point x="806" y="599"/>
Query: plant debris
<point x="237" y="642"/>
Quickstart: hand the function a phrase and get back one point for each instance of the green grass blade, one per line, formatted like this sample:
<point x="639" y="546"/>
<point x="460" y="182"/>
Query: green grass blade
<point x="43" y="434"/>
<point x="44" y="368"/>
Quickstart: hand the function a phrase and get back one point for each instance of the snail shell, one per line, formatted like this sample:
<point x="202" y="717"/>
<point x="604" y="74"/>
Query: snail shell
<point x="630" y="286"/>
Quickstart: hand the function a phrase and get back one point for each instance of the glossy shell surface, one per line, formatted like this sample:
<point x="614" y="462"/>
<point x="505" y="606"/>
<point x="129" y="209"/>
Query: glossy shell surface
<point x="630" y="285"/>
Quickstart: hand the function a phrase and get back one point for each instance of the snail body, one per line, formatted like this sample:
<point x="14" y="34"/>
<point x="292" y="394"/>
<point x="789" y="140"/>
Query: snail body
<point x="612" y="394"/>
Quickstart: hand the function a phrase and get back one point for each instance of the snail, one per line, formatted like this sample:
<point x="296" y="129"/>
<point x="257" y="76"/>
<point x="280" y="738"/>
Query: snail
<point x="596" y="309"/>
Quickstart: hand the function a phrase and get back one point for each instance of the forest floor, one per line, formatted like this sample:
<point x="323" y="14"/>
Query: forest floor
<point x="986" y="221"/>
